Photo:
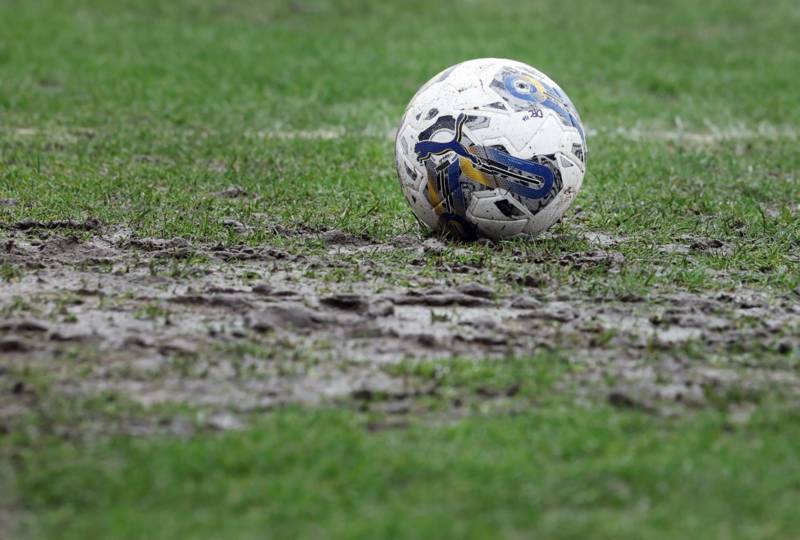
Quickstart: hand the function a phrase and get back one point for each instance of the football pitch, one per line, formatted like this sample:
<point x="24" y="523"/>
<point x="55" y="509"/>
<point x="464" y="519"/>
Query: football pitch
<point x="220" y="319"/>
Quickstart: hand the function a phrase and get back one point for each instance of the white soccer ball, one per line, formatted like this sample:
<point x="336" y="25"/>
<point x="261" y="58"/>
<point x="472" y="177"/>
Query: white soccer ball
<point x="492" y="148"/>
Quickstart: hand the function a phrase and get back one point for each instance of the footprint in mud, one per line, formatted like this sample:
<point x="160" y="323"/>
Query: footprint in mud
<point x="347" y="302"/>
<point x="233" y="302"/>
<point x="439" y="297"/>
<point x="288" y="315"/>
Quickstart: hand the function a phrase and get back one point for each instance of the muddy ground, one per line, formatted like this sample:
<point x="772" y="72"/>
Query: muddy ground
<point x="230" y="331"/>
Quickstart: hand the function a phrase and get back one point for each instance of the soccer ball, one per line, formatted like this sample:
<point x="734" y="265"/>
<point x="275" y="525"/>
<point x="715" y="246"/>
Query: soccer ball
<point x="492" y="148"/>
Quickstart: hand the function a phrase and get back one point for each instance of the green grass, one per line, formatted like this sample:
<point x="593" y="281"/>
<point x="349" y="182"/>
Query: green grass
<point x="137" y="112"/>
<point x="548" y="468"/>
<point x="555" y="472"/>
<point x="535" y="465"/>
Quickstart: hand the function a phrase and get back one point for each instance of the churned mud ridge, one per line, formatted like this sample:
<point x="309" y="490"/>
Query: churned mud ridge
<point x="90" y="224"/>
<point x="254" y="328"/>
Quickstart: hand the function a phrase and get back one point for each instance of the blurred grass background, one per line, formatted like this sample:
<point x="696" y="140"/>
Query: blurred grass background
<point x="231" y="66"/>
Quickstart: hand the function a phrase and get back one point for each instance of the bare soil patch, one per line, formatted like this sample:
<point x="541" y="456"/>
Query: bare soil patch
<point x="232" y="330"/>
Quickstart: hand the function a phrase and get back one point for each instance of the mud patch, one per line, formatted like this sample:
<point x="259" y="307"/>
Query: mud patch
<point x="250" y="329"/>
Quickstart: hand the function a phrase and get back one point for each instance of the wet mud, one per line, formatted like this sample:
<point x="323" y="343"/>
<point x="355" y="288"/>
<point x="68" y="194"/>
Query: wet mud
<point x="233" y="330"/>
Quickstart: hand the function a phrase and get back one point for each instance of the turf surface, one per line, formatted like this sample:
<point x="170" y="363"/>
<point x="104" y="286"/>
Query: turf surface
<point x="557" y="472"/>
<point x="137" y="113"/>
